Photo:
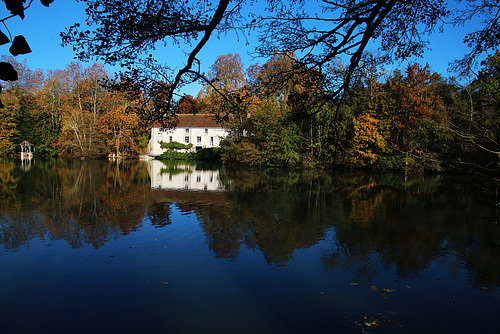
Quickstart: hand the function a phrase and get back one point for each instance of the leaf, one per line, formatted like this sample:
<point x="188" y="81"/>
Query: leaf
<point x="19" y="46"/>
<point x="3" y="38"/>
<point x="7" y="72"/>
<point x="15" y="7"/>
<point x="46" y="3"/>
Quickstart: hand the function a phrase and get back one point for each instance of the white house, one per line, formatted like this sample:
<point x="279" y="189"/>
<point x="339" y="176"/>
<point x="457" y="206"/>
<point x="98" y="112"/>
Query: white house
<point x="201" y="130"/>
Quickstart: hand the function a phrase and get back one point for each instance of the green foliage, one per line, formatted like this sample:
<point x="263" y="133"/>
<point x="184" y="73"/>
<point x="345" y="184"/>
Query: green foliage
<point x="175" y="146"/>
<point x="8" y="127"/>
<point x="205" y="154"/>
<point x="241" y="153"/>
<point x="209" y="154"/>
<point x="174" y="155"/>
<point x="143" y="141"/>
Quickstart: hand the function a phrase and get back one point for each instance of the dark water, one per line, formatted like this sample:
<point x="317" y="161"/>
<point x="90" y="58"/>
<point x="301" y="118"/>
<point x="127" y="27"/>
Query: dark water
<point x="142" y="247"/>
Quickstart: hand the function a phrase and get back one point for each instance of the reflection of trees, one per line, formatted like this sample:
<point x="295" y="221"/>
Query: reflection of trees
<point x="380" y="221"/>
<point x="8" y="183"/>
<point x="410" y="224"/>
<point x="82" y="202"/>
<point x="159" y="213"/>
<point x="371" y="223"/>
<point x="98" y="206"/>
<point x="272" y="211"/>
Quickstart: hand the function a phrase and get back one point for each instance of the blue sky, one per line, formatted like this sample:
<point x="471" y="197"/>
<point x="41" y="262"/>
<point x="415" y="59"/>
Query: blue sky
<point x="42" y="26"/>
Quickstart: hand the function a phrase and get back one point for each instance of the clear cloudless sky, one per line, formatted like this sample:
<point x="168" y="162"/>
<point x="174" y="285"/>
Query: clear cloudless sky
<point x="42" y="26"/>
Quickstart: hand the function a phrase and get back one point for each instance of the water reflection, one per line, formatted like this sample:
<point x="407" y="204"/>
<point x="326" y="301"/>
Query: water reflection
<point x="170" y="176"/>
<point x="81" y="202"/>
<point x="366" y="224"/>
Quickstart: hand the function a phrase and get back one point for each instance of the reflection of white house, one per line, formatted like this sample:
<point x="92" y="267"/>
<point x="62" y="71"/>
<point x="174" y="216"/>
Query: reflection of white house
<point x="201" y="130"/>
<point x="182" y="178"/>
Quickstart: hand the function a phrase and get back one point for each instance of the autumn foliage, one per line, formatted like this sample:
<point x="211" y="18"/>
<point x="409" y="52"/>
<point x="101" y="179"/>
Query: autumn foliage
<point x="69" y="113"/>
<point x="282" y="115"/>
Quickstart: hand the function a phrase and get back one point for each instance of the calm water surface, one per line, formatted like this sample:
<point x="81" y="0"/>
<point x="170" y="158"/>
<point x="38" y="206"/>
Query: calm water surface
<point x="146" y="247"/>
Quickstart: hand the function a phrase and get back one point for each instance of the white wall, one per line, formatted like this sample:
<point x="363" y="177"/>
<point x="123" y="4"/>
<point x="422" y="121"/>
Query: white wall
<point x="199" y="137"/>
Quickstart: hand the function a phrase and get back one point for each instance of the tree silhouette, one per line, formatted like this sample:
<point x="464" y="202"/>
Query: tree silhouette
<point x="123" y="32"/>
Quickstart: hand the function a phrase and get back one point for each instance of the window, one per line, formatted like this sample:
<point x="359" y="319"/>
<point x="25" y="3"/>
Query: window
<point x="211" y="141"/>
<point x="198" y="140"/>
<point x="187" y="130"/>
<point x="186" y="139"/>
<point x="206" y="130"/>
<point x="198" y="178"/>
<point x="170" y="139"/>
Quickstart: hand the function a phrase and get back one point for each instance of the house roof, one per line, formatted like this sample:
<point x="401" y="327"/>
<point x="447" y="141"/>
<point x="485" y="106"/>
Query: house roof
<point x="196" y="121"/>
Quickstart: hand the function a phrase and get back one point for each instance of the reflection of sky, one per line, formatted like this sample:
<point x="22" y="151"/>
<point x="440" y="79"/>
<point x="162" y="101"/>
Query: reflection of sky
<point x="235" y="268"/>
<point x="167" y="280"/>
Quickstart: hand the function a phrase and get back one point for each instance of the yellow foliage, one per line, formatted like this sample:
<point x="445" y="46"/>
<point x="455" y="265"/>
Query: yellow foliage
<point x="367" y="141"/>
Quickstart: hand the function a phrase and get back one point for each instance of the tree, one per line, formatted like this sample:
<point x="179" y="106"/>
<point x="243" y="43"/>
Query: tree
<point x="225" y="93"/>
<point x="368" y="142"/>
<point x="226" y="74"/>
<point x="224" y="86"/>
<point x="476" y="122"/>
<point x="276" y="78"/>
<point x="80" y="113"/>
<point x="417" y="117"/>
<point x="47" y="114"/>
<point x="187" y="105"/>
<point x="9" y="125"/>
<point x="486" y="36"/>
<point x="129" y="29"/>
<point x="19" y="97"/>
<point x="124" y="31"/>
<point x="119" y="125"/>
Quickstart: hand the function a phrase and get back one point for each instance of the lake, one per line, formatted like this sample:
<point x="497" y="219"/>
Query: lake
<point x="150" y="247"/>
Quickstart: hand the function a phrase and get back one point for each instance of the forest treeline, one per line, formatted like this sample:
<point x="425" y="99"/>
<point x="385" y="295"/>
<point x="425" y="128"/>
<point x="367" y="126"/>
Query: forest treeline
<point x="69" y="113"/>
<point x="412" y="119"/>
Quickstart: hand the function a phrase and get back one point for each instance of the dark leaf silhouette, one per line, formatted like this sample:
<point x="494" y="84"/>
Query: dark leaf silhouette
<point x="15" y="7"/>
<point x="7" y="72"/>
<point x="19" y="46"/>
<point x="46" y="3"/>
<point x="3" y="38"/>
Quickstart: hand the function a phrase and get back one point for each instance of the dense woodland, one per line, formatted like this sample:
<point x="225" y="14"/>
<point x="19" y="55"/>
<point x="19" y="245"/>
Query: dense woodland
<point x="68" y="113"/>
<point x="303" y="107"/>
<point x="412" y="119"/>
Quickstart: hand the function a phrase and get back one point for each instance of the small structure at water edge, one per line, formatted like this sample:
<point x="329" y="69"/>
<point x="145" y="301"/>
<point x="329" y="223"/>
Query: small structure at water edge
<point x="26" y="153"/>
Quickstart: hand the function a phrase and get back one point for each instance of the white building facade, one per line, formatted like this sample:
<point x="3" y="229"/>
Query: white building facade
<point x="201" y="130"/>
